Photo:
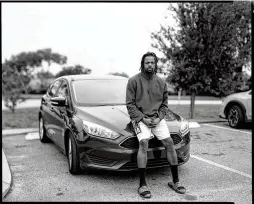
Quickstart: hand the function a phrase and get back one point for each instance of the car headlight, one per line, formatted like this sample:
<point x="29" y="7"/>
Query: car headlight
<point x="184" y="126"/>
<point x="99" y="131"/>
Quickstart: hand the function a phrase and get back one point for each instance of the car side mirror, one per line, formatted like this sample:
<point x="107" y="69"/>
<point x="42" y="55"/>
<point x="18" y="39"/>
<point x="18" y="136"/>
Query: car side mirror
<point x="58" y="101"/>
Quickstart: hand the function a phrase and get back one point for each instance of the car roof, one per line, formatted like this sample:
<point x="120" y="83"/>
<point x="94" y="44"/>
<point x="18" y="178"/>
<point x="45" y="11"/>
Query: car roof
<point x="90" y="77"/>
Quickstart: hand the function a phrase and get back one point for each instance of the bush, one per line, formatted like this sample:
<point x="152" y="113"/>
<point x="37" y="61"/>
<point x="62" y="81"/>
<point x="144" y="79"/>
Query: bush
<point x="37" y="86"/>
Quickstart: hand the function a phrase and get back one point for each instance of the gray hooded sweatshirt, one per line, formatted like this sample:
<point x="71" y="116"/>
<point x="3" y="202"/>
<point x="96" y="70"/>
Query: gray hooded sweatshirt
<point x="146" y="96"/>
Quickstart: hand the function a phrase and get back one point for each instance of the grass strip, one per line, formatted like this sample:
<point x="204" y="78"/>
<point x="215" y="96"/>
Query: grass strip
<point x="28" y="117"/>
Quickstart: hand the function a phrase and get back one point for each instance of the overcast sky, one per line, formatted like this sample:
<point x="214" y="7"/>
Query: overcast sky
<point x="105" y="37"/>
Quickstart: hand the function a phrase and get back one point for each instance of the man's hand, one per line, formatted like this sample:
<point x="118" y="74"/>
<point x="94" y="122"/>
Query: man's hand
<point x="147" y="122"/>
<point x="151" y="122"/>
<point x="155" y="122"/>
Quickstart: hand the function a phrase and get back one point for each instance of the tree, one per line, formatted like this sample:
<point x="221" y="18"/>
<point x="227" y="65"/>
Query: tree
<point x="45" y="78"/>
<point x="73" y="70"/>
<point x="209" y="49"/>
<point x="45" y="75"/>
<point x="17" y="73"/>
<point x="119" y="74"/>
<point x="249" y="82"/>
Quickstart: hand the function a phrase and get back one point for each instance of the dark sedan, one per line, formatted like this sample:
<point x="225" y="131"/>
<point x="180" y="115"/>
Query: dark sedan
<point x="86" y="117"/>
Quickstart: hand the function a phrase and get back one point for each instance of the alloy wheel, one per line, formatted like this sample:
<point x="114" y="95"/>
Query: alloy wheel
<point x="233" y="117"/>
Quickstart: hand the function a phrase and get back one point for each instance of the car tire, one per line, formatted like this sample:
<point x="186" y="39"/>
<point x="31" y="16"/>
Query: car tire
<point x="235" y="116"/>
<point x="42" y="132"/>
<point x="73" y="156"/>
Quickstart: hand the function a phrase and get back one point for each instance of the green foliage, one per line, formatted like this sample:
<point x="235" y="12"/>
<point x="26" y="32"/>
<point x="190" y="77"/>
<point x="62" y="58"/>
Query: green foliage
<point x="44" y="75"/>
<point x="73" y="70"/>
<point x="25" y="62"/>
<point x="17" y="73"/>
<point x="210" y="48"/>
<point x="119" y="74"/>
<point x="12" y="84"/>
<point x="40" y="84"/>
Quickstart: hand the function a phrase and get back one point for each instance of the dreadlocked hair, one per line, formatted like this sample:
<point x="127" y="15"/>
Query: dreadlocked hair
<point x="143" y="59"/>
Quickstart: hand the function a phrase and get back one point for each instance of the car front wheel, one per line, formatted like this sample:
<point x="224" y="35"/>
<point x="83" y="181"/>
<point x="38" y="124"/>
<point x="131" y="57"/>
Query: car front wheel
<point x="42" y="132"/>
<point x="73" y="156"/>
<point x="235" y="117"/>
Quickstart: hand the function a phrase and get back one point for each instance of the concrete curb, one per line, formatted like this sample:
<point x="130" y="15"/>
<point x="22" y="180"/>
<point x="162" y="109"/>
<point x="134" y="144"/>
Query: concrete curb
<point x="207" y="121"/>
<point x="6" y="176"/>
<point x="19" y="131"/>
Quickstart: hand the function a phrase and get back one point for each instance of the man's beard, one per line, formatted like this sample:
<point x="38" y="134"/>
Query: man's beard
<point x="150" y="72"/>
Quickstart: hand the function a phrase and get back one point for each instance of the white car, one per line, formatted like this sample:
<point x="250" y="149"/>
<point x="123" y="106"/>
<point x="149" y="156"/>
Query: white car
<point x="236" y="108"/>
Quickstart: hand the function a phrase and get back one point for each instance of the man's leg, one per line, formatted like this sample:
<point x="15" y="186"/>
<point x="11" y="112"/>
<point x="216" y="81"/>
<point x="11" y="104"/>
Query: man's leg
<point x="143" y="138"/>
<point x="162" y="133"/>
<point x="142" y="160"/>
<point x="172" y="159"/>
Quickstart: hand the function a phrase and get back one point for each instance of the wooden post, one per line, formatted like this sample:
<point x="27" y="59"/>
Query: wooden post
<point x="179" y="95"/>
<point x="191" y="113"/>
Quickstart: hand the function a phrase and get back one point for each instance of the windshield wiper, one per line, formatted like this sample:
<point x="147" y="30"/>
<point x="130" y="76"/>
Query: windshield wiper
<point x="101" y="105"/>
<point x="111" y="104"/>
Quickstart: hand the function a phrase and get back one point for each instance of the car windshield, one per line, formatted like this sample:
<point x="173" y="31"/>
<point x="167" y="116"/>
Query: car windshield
<point x="100" y="91"/>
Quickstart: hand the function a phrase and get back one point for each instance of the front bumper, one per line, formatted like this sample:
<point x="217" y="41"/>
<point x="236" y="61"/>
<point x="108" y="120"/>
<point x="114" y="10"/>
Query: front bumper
<point x="113" y="157"/>
<point x="222" y="110"/>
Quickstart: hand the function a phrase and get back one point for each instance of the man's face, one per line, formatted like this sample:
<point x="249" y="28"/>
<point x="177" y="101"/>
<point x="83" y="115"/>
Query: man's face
<point x="149" y="64"/>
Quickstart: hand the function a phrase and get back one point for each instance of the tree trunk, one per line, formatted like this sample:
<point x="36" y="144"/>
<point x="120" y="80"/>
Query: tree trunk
<point x="12" y="109"/>
<point x="179" y="96"/>
<point x="191" y="113"/>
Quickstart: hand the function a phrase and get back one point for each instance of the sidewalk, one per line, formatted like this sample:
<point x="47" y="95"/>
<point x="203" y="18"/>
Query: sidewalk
<point x="6" y="172"/>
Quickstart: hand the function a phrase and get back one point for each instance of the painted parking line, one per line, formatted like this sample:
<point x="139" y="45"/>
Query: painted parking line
<point x="221" y="166"/>
<point x="228" y="129"/>
<point x="193" y="125"/>
<point x="32" y="136"/>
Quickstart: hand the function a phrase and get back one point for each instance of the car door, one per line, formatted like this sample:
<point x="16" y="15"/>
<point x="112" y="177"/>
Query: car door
<point x="60" y="115"/>
<point x="49" y="115"/>
<point x="249" y="106"/>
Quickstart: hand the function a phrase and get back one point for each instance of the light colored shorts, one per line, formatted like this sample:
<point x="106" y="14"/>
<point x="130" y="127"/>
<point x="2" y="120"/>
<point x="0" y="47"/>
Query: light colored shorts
<point x="161" y="131"/>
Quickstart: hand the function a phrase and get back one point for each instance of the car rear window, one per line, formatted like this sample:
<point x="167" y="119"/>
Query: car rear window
<point x="100" y="92"/>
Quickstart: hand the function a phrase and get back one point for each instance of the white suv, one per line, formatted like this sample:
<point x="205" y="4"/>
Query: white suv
<point x="236" y="108"/>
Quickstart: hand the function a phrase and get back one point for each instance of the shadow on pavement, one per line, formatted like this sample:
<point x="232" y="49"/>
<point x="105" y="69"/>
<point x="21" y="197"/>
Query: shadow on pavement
<point x="247" y="126"/>
<point x="122" y="174"/>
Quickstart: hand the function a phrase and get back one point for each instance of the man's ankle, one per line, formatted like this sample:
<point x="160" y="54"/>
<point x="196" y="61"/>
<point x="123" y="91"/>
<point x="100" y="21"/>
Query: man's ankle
<point x="142" y="177"/>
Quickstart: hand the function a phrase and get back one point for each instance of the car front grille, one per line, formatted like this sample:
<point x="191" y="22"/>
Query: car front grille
<point x="101" y="161"/>
<point x="176" y="138"/>
<point x="151" y="163"/>
<point x="132" y="142"/>
<point x="187" y="137"/>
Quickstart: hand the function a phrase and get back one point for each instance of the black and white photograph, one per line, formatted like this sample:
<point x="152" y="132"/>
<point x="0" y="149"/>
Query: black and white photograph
<point x="127" y="101"/>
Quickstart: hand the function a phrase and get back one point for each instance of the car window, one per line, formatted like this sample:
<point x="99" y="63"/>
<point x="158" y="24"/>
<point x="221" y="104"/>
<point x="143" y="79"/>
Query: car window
<point x="100" y="92"/>
<point x="63" y="90"/>
<point x="53" y="89"/>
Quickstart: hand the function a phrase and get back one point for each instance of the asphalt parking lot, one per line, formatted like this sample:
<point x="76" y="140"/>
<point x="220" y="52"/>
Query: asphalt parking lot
<point x="219" y="170"/>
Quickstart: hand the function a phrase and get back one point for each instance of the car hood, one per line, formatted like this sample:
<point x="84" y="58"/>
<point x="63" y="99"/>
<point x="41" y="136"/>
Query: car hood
<point x="236" y="96"/>
<point x="117" y="118"/>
